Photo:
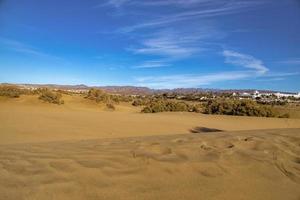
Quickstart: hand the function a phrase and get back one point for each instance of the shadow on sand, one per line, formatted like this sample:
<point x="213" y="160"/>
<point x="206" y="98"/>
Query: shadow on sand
<point x="204" y="130"/>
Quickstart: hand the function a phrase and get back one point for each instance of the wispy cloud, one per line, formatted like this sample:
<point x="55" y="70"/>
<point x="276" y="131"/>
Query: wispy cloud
<point x="281" y="74"/>
<point x="189" y="80"/>
<point x="277" y="76"/>
<point x="169" y="46"/>
<point x="244" y="60"/>
<point x="255" y="69"/>
<point x="119" y="3"/>
<point x="176" y="45"/>
<point x="191" y="32"/>
<point x="178" y="3"/>
<point x="291" y="61"/>
<point x="171" y="3"/>
<point x="200" y="12"/>
<point x="165" y="46"/>
<point x="152" y="64"/>
<point x="114" y="3"/>
<point x="23" y="48"/>
<point x="271" y="79"/>
<point x="199" y="80"/>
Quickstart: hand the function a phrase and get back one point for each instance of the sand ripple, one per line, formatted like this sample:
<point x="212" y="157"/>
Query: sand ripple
<point x="223" y="165"/>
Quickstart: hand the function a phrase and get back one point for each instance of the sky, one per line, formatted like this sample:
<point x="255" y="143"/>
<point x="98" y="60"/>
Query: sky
<point x="223" y="44"/>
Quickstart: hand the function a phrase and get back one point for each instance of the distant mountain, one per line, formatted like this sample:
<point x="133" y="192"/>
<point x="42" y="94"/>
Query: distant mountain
<point x="55" y="86"/>
<point x="110" y="89"/>
<point x="128" y="90"/>
<point x="134" y="90"/>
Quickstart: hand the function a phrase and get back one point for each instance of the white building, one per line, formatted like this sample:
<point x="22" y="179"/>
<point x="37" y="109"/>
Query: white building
<point x="279" y="95"/>
<point x="256" y="94"/>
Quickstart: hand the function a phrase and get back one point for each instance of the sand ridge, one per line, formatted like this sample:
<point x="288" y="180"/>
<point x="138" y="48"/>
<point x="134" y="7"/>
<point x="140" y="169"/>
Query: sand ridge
<point x="81" y="151"/>
<point x="27" y="119"/>
<point x="261" y="164"/>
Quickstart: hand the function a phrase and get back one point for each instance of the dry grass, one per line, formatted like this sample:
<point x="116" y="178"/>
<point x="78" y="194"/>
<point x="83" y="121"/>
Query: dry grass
<point x="293" y="110"/>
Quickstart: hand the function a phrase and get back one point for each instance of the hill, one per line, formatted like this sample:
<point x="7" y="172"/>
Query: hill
<point x="135" y="90"/>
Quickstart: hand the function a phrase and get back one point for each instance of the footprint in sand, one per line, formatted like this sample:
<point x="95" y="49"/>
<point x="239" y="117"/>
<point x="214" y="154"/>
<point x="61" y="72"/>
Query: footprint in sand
<point x="156" y="152"/>
<point x="179" y="140"/>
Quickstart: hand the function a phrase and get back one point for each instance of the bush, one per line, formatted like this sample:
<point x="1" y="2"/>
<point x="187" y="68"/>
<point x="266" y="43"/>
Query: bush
<point x="110" y="106"/>
<point x="147" y="110"/>
<point x="198" y="108"/>
<point x="95" y="94"/>
<point x="10" y="91"/>
<point x="138" y="102"/>
<point x="177" y="107"/>
<point x="166" y="106"/>
<point x="101" y="96"/>
<point x="238" y="107"/>
<point x="47" y="95"/>
<point x="286" y="115"/>
<point x="144" y="101"/>
<point x="121" y="98"/>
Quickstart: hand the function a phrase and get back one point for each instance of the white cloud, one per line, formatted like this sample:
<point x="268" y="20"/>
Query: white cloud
<point x="152" y="64"/>
<point x="180" y="3"/>
<point x="166" y="47"/>
<point x="188" y="41"/>
<point x="25" y="49"/>
<point x="256" y="70"/>
<point x="177" y="3"/>
<point x="199" y="80"/>
<point x="119" y="3"/>
<point x="223" y="8"/>
<point x="114" y="3"/>
<point x="176" y="44"/>
<point x="291" y="61"/>
<point x="188" y="80"/>
<point x="281" y="74"/>
<point x="243" y="60"/>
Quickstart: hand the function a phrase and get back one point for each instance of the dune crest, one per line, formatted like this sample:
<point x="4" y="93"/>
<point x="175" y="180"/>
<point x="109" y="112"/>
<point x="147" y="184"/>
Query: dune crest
<point x="27" y="119"/>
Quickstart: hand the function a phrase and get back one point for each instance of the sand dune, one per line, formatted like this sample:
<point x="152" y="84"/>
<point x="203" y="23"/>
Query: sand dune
<point x="80" y="151"/>
<point x="29" y="120"/>
<point x="261" y="164"/>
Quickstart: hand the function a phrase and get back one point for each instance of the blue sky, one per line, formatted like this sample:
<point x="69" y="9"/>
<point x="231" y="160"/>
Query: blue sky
<point x="159" y="44"/>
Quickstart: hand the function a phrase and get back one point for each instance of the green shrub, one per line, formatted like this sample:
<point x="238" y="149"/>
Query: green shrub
<point x="49" y="96"/>
<point x="95" y="94"/>
<point x="121" y="98"/>
<point x="176" y="107"/>
<point x="238" y="107"/>
<point x="138" y="102"/>
<point x="101" y="96"/>
<point x="166" y="106"/>
<point x="147" y="110"/>
<point x="144" y="101"/>
<point x="198" y="108"/>
<point x="10" y="91"/>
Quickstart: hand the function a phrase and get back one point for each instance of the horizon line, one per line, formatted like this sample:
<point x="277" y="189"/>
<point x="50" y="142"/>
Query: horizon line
<point x="155" y="89"/>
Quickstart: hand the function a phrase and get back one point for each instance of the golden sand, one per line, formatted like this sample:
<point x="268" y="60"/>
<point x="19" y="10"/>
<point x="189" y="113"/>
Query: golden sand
<point x="79" y="151"/>
<point x="29" y="120"/>
<point x="225" y="165"/>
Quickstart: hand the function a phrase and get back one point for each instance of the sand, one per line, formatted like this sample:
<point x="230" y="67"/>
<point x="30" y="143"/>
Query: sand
<point x="27" y="119"/>
<point x="80" y="151"/>
<point x="224" y="165"/>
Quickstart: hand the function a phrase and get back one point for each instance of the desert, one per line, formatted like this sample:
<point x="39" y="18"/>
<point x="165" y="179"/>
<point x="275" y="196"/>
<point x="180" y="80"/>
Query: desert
<point x="150" y="100"/>
<point x="80" y="150"/>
